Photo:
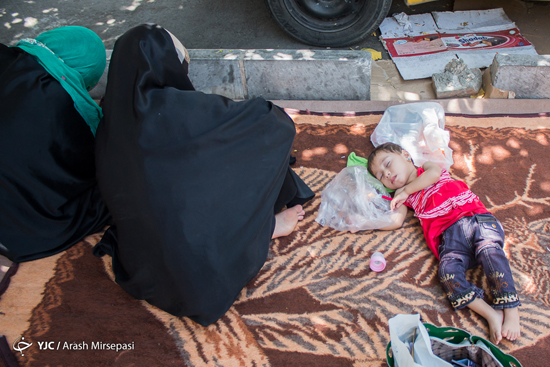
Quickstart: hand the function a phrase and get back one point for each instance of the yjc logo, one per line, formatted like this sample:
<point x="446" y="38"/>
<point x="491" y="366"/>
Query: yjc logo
<point x="46" y="345"/>
<point x="20" y="345"/>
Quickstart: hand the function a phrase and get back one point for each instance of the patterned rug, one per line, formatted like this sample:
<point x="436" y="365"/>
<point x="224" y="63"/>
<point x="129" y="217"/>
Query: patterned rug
<point x="315" y="302"/>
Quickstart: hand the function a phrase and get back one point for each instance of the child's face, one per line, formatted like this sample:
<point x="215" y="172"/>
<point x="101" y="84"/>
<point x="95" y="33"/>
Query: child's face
<point x="394" y="170"/>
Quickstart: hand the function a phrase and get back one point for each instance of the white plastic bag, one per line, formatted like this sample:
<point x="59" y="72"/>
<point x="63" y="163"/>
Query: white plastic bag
<point x="406" y="329"/>
<point x="419" y="129"/>
<point x="353" y="201"/>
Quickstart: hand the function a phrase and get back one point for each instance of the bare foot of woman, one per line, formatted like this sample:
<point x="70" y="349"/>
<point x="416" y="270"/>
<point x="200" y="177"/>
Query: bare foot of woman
<point x="510" y="326"/>
<point x="286" y="221"/>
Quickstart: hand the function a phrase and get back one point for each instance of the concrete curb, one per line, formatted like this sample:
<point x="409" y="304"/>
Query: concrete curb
<point x="461" y="106"/>
<point x="329" y="75"/>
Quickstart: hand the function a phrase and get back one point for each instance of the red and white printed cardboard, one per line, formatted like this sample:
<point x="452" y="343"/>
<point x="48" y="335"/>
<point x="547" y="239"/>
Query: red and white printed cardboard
<point x="422" y="44"/>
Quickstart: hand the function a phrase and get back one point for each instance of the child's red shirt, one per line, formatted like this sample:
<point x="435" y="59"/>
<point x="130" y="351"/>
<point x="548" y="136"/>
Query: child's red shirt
<point x="440" y="205"/>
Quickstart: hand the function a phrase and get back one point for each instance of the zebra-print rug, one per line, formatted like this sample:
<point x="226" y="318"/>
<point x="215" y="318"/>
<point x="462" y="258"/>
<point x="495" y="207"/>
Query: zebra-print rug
<point x="315" y="302"/>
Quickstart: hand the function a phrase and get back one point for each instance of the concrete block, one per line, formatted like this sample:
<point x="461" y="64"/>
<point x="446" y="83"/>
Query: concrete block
<point x="308" y="75"/>
<point x="528" y="76"/>
<point x="218" y="72"/>
<point x="457" y="80"/>
<point x="277" y="74"/>
<point x="491" y="91"/>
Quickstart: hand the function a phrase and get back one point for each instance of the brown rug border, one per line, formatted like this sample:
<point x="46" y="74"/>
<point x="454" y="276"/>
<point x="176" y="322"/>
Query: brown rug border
<point x="465" y="115"/>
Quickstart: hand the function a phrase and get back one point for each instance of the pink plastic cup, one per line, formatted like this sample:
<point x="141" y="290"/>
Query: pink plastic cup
<point x="377" y="262"/>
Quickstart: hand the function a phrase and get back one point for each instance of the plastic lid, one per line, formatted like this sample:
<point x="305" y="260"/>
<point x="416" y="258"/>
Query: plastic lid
<point x="377" y="262"/>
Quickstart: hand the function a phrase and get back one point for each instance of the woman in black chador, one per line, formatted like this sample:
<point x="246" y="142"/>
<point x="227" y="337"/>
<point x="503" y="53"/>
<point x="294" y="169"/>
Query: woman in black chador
<point x="195" y="182"/>
<point x="49" y="199"/>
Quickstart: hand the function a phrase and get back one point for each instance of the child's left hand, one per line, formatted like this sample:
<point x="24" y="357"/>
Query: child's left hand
<point x="399" y="198"/>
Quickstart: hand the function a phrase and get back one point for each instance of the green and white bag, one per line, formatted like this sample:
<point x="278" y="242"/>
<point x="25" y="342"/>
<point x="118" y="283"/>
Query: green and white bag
<point x="447" y="343"/>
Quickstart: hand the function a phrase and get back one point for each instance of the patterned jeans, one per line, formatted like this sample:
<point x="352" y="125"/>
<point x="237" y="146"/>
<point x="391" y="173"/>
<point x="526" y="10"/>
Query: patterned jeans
<point x="471" y="241"/>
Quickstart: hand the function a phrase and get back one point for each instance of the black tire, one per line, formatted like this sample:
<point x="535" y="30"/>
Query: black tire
<point x="329" y="23"/>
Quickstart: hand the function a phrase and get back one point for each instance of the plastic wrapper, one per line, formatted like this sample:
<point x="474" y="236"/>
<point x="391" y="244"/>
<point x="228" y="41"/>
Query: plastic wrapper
<point x="353" y="201"/>
<point x="419" y="129"/>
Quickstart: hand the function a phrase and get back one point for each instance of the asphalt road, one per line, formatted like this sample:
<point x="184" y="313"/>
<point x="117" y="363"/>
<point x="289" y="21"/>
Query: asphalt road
<point x="211" y="24"/>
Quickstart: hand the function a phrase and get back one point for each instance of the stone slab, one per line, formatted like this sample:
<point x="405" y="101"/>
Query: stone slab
<point x="457" y="80"/>
<point x="528" y="76"/>
<point x="277" y="74"/>
<point x="218" y="72"/>
<point x="307" y="74"/>
<point x="491" y="91"/>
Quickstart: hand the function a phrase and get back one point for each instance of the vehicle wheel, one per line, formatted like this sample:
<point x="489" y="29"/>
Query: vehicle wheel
<point x="329" y="23"/>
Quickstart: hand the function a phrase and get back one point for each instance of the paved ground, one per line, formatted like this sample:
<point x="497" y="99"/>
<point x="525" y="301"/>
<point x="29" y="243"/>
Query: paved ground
<point x="219" y="23"/>
<point x="210" y="24"/>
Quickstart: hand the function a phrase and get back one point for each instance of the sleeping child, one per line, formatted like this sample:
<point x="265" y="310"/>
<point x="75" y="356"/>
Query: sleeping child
<point x="459" y="230"/>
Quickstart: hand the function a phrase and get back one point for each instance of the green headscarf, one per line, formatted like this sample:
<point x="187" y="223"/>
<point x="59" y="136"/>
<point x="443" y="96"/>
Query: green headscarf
<point x="75" y="57"/>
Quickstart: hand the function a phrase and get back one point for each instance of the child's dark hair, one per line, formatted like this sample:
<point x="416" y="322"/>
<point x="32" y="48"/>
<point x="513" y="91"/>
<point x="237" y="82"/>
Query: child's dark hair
<point x="386" y="147"/>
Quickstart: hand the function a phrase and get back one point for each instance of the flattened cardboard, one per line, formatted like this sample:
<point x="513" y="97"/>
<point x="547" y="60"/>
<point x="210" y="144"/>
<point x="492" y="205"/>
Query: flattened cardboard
<point x="421" y="45"/>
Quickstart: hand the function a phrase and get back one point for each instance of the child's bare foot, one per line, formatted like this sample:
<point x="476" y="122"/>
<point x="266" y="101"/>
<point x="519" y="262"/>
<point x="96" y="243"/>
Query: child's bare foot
<point x="286" y="221"/>
<point x="510" y="326"/>
<point x="494" y="318"/>
<point x="495" y="326"/>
